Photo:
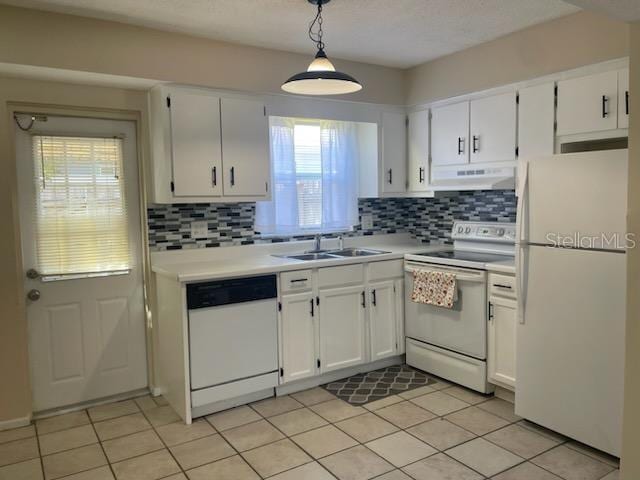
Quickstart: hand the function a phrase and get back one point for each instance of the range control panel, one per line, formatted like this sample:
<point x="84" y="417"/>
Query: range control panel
<point x="484" y="231"/>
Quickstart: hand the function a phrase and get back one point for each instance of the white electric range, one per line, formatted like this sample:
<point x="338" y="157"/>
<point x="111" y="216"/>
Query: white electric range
<point x="452" y="342"/>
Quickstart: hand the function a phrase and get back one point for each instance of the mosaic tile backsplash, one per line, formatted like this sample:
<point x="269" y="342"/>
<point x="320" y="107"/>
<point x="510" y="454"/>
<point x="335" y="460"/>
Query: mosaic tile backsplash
<point x="427" y="219"/>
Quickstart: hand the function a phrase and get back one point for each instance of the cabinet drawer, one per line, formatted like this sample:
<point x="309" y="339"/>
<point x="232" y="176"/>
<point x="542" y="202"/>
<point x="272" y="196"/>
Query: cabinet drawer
<point x="298" y="281"/>
<point x="502" y="285"/>
<point x="336" y="276"/>
<point x="386" y="269"/>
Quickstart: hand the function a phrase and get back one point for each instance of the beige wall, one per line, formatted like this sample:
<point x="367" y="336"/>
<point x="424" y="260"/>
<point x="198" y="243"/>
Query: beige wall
<point x="15" y="395"/>
<point x="631" y="435"/>
<point x="63" y="41"/>
<point x="568" y="42"/>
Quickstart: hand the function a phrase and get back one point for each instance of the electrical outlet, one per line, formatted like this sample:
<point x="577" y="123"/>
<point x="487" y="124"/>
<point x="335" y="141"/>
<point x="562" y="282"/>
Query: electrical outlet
<point x="199" y="229"/>
<point x="366" y="221"/>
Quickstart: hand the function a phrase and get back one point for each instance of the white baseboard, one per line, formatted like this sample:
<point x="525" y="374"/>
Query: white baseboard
<point x="311" y="382"/>
<point x="15" y="423"/>
<point x="156" y="391"/>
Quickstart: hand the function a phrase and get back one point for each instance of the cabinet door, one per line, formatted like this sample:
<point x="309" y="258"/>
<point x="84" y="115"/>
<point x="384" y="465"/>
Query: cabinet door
<point x="449" y="134"/>
<point x="342" y="327"/>
<point x="297" y="344"/>
<point x="623" y="98"/>
<point x="536" y="116"/>
<point x="195" y="144"/>
<point x="418" y="141"/>
<point x="501" y="362"/>
<point x="399" y="282"/>
<point x="394" y="152"/>
<point x="245" y="148"/>
<point x="588" y="104"/>
<point x="382" y="319"/>
<point x="493" y="129"/>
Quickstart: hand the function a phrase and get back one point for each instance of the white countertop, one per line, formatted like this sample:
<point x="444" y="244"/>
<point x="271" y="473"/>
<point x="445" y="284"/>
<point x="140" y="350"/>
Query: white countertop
<point x="226" y="262"/>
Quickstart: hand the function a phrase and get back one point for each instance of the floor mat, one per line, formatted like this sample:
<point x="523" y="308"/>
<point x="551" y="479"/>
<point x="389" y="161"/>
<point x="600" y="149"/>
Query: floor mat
<point x="368" y="387"/>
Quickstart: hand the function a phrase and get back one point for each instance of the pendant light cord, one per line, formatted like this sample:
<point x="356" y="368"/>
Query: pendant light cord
<point x="316" y="37"/>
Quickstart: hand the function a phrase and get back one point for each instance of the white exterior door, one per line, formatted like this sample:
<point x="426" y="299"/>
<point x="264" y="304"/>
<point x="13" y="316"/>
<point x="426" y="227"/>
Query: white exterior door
<point x="342" y="327"/>
<point x="493" y="129"/>
<point x="298" y="336"/>
<point x="79" y="213"/>
<point x="449" y="134"/>
<point x="418" y="140"/>
<point x="588" y="104"/>
<point x="501" y="361"/>
<point x="394" y="152"/>
<point x="245" y="148"/>
<point x="382" y="319"/>
<point x="196" y="150"/>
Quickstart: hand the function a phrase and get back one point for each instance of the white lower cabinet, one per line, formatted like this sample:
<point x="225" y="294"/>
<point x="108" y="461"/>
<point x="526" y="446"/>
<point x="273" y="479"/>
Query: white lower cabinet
<point x="298" y="336"/>
<point x="382" y="319"/>
<point x="501" y="361"/>
<point x="342" y="327"/>
<point x="338" y="317"/>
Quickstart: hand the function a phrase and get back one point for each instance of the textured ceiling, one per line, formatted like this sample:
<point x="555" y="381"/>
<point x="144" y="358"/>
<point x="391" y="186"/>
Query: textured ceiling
<point x="396" y="33"/>
<point x="625" y="10"/>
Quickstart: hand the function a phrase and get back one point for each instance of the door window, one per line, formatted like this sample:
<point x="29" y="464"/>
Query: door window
<point x="81" y="213"/>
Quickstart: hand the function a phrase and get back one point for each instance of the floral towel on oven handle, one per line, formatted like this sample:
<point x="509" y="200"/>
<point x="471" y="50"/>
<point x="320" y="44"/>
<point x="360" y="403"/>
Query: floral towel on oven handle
<point x="434" y="288"/>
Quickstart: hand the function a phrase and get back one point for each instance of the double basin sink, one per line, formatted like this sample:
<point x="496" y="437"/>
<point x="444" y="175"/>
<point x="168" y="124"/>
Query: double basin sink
<point x="333" y="254"/>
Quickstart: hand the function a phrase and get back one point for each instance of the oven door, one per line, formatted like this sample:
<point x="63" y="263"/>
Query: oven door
<point x="463" y="328"/>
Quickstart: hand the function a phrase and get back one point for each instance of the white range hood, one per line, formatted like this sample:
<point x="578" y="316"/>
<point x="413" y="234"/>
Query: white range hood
<point x="472" y="178"/>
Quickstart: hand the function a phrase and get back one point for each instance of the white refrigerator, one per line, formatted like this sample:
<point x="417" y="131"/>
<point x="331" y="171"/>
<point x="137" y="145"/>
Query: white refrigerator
<point x="571" y="269"/>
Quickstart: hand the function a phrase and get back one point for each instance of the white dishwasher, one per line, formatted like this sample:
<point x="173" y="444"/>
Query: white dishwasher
<point x="233" y="339"/>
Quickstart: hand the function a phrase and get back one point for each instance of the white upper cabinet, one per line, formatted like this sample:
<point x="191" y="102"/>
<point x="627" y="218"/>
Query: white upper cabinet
<point x="394" y="152"/>
<point x="623" y="98"/>
<point x="418" y="141"/>
<point x="207" y="147"/>
<point x="195" y="144"/>
<point x="245" y="146"/>
<point x="535" y="120"/>
<point x="450" y="134"/>
<point x="588" y="104"/>
<point x="493" y="128"/>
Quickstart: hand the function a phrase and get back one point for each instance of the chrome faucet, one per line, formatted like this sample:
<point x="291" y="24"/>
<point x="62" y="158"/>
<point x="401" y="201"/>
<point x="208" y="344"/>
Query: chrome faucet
<point x="317" y="243"/>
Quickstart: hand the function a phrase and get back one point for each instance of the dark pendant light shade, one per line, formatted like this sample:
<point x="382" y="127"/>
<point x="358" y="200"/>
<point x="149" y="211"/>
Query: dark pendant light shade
<point x="321" y="78"/>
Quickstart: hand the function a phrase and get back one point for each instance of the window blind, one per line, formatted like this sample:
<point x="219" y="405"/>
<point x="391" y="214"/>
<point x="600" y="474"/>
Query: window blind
<point x="80" y="205"/>
<point x="308" y="175"/>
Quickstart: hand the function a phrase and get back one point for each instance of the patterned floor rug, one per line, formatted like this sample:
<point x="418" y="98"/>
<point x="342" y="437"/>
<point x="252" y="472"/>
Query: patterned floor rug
<point x="367" y="387"/>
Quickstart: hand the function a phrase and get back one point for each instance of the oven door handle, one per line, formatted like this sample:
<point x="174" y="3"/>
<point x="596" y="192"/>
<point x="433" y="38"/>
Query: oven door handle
<point x="461" y="275"/>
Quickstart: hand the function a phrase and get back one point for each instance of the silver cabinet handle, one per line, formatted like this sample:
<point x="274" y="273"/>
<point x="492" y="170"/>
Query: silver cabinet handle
<point x="33" y="295"/>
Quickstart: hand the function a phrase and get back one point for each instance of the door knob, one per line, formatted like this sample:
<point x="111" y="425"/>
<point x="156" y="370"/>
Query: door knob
<point x="33" y="295"/>
<point x="32" y="274"/>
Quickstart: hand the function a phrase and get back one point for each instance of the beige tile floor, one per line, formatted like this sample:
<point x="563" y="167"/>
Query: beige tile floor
<point x="433" y="433"/>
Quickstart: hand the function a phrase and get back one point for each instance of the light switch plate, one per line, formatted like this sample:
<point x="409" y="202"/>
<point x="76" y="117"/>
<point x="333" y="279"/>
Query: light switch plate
<point x="199" y="229"/>
<point x="366" y="221"/>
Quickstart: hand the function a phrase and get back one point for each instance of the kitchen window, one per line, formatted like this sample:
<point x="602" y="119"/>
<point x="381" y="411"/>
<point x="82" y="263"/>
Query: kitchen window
<point x="315" y="178"/>
<point x="81" y="214"/>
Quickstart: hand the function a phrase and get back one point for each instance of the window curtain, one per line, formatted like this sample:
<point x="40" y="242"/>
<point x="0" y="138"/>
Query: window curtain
<point x="339" y="152"/>
<point x="280" y="215"/>
<point x="339" y="198"/>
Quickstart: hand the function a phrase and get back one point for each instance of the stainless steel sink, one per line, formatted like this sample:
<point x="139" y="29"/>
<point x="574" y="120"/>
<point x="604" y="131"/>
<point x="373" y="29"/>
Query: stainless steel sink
<point x="356" y="252"/>
<point x="311" y="256"/>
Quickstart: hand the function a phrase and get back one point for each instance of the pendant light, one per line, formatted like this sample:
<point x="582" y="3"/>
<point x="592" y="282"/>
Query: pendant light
<point x="321" y="78"/>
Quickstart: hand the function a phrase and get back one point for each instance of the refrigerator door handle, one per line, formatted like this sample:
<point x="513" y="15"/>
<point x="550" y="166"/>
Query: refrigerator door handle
<point x="521" y="285"/>
<point x="520" y="220"/>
